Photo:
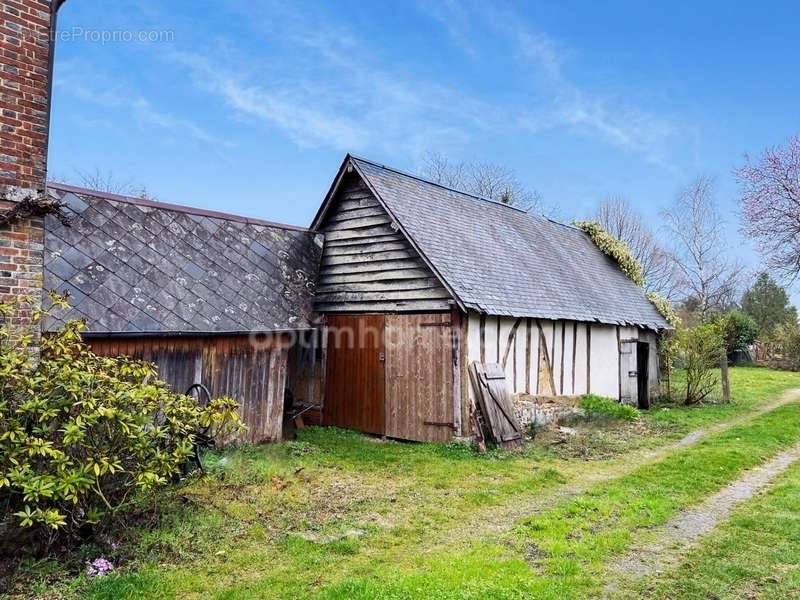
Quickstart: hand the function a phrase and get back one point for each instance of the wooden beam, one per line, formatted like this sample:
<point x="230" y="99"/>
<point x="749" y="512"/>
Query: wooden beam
<point x="455" y="328"/>
<point x="619" y="367"/>
<point x="528" y="355"/>
<point x="574" y="352"/>
<point x="483" y="338"/>
<point x="498" y="338"/>
<point x="588" y="358"/>
<point x="512" y="335"/>
<point x="563" y="325"/>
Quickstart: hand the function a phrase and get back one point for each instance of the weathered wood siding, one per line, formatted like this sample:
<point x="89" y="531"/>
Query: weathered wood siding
<point x="305" y="377"/>
<point x="253" y="372"/>
<point x="355" y="373"/>
<point x="395" y="374"/>
<point x="419" y="378"/>
<point x="367" y="263"/>
<point x="558" y="358"/>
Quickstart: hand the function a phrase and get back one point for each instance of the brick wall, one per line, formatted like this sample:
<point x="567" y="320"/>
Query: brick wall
<point x="21" y="260"/>
<point x="25" y="46"/>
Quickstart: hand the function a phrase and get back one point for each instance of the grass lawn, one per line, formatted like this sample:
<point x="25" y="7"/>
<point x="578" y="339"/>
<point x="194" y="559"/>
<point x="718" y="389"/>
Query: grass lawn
<point x="756" y="554"/>
<point x="338" y="515"/>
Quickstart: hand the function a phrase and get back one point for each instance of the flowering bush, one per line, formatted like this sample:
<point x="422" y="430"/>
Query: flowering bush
<point x="81" y="434"/>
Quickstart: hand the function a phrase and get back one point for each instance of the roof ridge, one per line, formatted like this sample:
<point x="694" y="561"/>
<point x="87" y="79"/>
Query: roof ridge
<point x="441" y="185"/>
<point x="181" y="208"/>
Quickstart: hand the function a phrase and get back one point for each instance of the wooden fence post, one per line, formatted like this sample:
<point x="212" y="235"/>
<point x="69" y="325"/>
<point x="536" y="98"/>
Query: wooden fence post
<point x="726" y="387"/>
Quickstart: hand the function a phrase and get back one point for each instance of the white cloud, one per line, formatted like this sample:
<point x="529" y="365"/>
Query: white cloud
<point x="83" y="82"/>
<point x="560" y="101"/>
<point x="329" y="89"/>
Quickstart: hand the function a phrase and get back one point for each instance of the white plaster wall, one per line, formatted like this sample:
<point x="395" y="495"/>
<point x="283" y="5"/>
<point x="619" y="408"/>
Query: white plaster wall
<point x="520" y="343"/>
<point x="569" y="342"/>
<point x="604" y="353"/>
<point x="534" y="374"/>
<point x="604" y="361"/>
<point x="580" y="360"/>
<point x="505" y="328"/>
<point x="555" y="355"/>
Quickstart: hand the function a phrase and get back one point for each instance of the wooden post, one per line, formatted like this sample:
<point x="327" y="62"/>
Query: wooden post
<point x="455" y="329"/>
<point x="726" y="387"/>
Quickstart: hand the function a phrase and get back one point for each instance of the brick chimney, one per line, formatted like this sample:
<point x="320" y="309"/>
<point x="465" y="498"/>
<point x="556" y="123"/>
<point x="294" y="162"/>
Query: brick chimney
<point x="26" y="59"/>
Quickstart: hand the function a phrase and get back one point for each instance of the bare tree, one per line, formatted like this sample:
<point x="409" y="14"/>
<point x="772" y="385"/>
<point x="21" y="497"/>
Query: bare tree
<point x="770" y="200"/>
<point x="107" y="181"/>
<point x="621" y="220"/>
<point x="707" y="276"/>
<point x="487" y="180"/>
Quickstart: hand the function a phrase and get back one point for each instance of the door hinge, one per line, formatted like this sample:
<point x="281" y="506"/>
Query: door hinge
<point x="440" y="424"/>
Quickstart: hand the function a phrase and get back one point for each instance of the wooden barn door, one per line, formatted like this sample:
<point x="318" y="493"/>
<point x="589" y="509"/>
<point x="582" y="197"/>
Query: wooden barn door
<point x="419" y="377"/>
<point x="354" y="379"/>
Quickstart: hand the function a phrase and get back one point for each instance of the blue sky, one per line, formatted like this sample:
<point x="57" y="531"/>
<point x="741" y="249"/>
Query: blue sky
<point x="250" y="106"/>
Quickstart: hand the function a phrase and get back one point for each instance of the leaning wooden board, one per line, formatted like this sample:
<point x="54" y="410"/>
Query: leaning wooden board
<point x="489" y="383"/>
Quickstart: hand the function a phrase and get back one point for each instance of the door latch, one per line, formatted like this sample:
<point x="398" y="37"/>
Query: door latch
<point x="382" y="356"/>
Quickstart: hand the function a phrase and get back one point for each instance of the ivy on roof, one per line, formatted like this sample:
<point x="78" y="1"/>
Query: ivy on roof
<point x="619" y="252"/>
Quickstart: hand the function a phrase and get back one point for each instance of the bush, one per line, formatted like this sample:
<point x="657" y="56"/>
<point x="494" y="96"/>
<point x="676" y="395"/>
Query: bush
<point x="81" y="434"/>
<point x="698" y="350"/>
<point x="740" y="330"/>
<point x="608" y="407"/>
<point x="784" y="342"/>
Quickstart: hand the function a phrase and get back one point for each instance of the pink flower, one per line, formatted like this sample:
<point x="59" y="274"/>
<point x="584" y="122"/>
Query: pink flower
<point x="99" y="567"/>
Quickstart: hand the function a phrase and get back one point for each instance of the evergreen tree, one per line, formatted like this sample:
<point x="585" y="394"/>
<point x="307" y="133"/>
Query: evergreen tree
<point x="768" y="303"/>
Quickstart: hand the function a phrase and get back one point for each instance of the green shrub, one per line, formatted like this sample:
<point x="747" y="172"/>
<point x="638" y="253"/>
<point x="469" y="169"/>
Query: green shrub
<point x="81" y="434"/>
<point x="609" y="407"/>
<point x="784" y="343"/>
<point x="698" y="350"/>
<point x="740" y="329"/>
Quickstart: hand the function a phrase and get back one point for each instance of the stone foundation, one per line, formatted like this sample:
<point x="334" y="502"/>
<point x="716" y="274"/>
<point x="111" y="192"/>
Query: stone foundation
<point x="540" y="411"/>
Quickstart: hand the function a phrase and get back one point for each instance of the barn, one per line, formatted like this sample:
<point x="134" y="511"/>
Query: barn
<point x="417" y="281"/>
<point x="211" y="298"/>
<point x="370" y="318"/>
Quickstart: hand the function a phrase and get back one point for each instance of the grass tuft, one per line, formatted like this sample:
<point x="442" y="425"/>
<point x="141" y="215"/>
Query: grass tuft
<point x="608" y="407"/>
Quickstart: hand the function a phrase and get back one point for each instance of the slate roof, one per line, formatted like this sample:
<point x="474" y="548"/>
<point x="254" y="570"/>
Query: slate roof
<point x="134" y="266"/>
<point x="503" y="261"/>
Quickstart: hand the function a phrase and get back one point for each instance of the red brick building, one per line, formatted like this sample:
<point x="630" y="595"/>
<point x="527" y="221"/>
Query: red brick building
<point x="25" y="85"/>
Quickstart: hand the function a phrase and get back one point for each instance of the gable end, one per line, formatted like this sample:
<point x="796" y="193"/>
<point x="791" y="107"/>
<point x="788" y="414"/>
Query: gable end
<point x="368" y="265"/>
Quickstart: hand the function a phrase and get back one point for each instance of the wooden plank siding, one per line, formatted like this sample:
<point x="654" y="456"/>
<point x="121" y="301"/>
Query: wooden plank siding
<point x="419" y="377"/>
<point x="367" y="264"/>
<point x="253" y="372"/>
<point x="398" y="375"/>
<point x="355" y="378"/>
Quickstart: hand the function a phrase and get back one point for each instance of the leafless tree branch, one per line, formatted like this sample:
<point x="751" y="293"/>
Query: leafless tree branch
<point x="487" y="180"/>
<point x="707" y="275"/>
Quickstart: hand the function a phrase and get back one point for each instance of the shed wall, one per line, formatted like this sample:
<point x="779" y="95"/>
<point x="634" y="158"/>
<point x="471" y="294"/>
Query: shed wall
<point x="367" y="263"/>
<point x="252" y="371"/>
<point x="542" y="357"/>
